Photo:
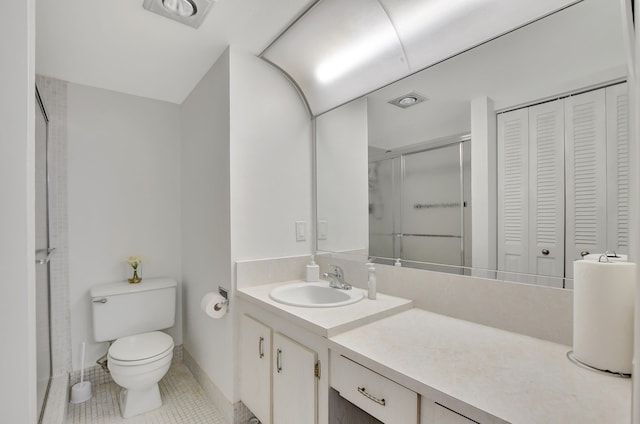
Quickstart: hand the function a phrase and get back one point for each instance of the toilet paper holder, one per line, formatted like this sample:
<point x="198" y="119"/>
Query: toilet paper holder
<point x="224" y="293"/>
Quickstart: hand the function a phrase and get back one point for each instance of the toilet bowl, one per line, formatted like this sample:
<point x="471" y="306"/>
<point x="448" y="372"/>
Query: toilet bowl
<point x="130" y="316"/>
<point x="137" y="363"/>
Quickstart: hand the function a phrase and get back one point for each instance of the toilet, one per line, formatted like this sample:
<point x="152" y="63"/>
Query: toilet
<point x="131" y="315"/>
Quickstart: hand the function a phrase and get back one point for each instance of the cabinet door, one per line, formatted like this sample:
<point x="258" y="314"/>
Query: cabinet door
<point x="294" y="382"/>
<point x="434" y="413"/>
<point x="618" y="168"/>
<point x="546" y="192"/>
<point x="586" y="185"/>
<point x="513" y="186"/>
<point x="255" y="368"/>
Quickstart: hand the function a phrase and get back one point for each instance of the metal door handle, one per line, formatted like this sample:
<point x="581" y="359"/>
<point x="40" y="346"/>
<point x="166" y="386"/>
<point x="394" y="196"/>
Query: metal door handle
<point x="101" y="300"/>
<point x="369" y="396"/>
<point x="261" y="347"/>
<point x="279" y="361"/>
<point x="46" y="260"/>
<point x="545" y="252"/>
<point x="584" y="253"/>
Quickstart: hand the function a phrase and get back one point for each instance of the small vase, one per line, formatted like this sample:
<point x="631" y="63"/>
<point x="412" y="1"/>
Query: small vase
<point x="135" y="278"/>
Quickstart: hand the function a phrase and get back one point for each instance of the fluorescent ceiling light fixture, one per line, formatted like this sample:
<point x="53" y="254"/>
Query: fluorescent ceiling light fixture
<point x="339" y="50"/>
<point x="327" y="48"/>
<point x="181" y="8"/>
<point x="356" y="53"/>
<point x="428" y="16"/>
<point x="188" y="12"/>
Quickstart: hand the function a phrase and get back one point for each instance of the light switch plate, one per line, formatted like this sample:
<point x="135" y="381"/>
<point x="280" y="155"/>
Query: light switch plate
<point x="323" y="229"/>
<point x="301" y="230"/>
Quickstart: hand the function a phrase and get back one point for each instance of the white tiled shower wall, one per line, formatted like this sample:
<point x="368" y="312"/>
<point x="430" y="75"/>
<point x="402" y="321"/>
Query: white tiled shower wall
<point x="54" y="96"/>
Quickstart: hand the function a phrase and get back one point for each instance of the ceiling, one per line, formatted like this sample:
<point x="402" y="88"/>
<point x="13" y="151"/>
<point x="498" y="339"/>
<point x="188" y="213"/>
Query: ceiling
<point x="576" y="48"/>
<point x="118" y="45"/>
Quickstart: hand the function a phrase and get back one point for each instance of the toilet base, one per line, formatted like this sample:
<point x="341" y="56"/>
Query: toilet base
<point x="135" y="402"/>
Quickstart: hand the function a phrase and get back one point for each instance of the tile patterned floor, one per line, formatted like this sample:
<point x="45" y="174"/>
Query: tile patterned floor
<point x="183" y="402"/>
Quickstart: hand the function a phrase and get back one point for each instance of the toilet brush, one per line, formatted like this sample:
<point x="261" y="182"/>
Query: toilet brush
<point x="81" y="392"/>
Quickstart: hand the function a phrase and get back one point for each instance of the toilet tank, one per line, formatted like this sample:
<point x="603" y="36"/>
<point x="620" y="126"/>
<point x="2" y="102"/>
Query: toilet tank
<point x="122" y="309"/>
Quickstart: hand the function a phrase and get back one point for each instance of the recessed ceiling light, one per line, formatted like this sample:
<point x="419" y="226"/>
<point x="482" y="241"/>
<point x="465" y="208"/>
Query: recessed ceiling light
<point x="408" y="100"/>
<point x="188" y="12"/>
<point x="180" y="7"/>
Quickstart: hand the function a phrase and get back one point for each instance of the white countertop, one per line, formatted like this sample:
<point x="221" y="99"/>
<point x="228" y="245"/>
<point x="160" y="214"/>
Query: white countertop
<point x="516" y="378"/>
<point x="326" y="322"/>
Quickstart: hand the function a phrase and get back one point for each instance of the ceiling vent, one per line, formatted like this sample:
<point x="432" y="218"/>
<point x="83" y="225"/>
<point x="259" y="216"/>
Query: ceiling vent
<point x="188" y="12"/>
<point x="408" y="100"/>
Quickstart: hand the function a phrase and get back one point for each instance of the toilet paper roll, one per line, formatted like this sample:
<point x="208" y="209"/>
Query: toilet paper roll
<point x="603" y="307"/>
<point x="214" y="305"/>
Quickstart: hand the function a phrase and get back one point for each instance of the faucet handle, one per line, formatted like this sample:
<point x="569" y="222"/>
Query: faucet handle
<point x="338" y="271"/>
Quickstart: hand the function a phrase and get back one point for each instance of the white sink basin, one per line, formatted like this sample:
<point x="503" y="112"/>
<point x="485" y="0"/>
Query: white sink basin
<point x="315" y="295"/>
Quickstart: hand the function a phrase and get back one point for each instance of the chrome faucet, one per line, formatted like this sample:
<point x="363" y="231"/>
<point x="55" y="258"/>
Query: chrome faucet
<point x="337" y="279"/>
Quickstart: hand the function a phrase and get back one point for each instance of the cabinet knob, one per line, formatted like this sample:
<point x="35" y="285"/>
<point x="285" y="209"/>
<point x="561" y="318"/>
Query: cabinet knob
<point x="545" y="252"/>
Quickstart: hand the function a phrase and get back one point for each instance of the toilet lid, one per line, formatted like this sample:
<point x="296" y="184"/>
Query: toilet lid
<point x="141" y="346"/>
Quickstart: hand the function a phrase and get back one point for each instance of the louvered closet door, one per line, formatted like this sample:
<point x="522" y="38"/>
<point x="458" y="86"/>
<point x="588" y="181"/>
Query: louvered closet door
<point x="586" y="174"/>
<point x="513" y="185"/>
<point x="617" y="168"/>
<point x="546" y="192"/>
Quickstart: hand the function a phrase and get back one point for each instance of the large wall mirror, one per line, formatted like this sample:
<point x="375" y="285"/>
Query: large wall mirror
<point x="395" y="169"/>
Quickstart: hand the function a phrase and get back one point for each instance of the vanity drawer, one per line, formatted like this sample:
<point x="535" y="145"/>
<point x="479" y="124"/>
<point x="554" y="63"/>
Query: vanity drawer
<point x="377" y="395"/>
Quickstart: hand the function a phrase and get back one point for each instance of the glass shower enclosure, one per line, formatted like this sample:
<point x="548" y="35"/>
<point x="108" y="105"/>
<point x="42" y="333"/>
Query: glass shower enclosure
<point x="419" y="207"/>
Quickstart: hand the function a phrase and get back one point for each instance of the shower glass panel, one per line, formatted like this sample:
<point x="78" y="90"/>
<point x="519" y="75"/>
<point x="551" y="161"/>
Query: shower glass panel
<point x="43" y="345"/>
<point x="431" y="213"/>
<point x="382" y="239"/>
<point x="418" y="205"/>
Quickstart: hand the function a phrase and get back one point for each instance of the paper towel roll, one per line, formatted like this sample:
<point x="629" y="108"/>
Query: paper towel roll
<point x="596" y="257"/>
<point x="603" y="306"/>
<point x="214" y="305"/>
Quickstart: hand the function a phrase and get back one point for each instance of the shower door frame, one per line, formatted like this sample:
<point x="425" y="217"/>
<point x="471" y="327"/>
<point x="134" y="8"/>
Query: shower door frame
<point x="397" y="220"/>
<point x="41" y="405"/>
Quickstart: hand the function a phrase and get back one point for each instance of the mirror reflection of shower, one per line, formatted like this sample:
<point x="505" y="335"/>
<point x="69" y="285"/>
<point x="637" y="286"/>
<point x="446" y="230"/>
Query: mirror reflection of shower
<point x="419" y="203"/>
<point x="43" y="255"/>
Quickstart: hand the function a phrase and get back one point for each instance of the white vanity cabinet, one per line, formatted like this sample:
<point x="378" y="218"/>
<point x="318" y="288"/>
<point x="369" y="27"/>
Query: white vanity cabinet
<point x="434" y="413"/>
<point x="294" y="382"/>
<point x="385" y="399"/>
<point x="277" y="375"/>
<point x="255" y="367"/>
<point x="375" y="394"/>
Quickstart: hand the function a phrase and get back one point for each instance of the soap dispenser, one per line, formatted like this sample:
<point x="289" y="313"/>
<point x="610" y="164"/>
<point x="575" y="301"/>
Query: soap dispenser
<point x="313" y="271"/>
<point x="371" y="282"/>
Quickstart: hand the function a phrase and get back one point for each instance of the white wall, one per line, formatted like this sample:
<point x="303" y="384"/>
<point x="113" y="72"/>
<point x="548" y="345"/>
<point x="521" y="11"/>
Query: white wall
<point x="484" y="198"/>
<point x="17" y="256"/>
<point x="271" y="168"/>
<point x="246" y="179"/>
<point x="124" y="197"/>
<point x="342" y="177"/>
<point x="270" y="161"/>
<point x="206" y="222"/>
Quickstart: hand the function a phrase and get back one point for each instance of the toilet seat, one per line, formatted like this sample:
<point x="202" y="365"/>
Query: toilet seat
<point x="140" y="349"/>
